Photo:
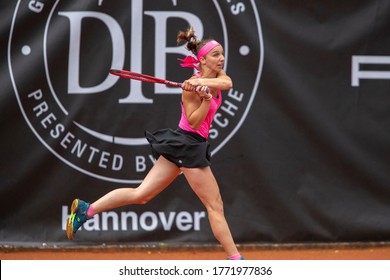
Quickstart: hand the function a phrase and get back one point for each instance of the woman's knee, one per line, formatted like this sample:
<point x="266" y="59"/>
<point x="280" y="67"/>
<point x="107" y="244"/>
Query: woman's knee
<point x="216" y="207"/>
<point x="141" y="197"/>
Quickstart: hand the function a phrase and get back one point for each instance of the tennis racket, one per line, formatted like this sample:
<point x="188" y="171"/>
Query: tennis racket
<point x="145" y="78"/>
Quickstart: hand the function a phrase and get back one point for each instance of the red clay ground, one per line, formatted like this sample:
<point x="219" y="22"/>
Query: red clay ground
<point x="253" y="252"/>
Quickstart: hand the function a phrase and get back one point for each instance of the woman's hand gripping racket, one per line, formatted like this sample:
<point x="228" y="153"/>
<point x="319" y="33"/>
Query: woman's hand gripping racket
<point x="145" y="78"/>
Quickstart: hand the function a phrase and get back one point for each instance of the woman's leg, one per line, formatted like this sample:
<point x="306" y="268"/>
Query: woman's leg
<point x="203" y="183"/>
<point x="158" y="178"/>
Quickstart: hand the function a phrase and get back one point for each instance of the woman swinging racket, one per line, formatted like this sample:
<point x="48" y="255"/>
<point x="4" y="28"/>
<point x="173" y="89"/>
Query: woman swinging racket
<point x="183" y="150"/>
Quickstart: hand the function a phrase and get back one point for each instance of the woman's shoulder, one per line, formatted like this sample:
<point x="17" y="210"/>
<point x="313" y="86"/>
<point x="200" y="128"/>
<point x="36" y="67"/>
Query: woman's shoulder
<point x="196" y="75"/>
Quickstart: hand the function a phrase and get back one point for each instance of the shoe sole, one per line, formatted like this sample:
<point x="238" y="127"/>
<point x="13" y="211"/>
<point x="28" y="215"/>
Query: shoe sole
<point x="69" y="224"/>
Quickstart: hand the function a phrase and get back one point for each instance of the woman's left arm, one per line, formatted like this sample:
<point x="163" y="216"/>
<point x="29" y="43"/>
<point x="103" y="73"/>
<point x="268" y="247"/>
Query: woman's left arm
<point x="222" y="81"/>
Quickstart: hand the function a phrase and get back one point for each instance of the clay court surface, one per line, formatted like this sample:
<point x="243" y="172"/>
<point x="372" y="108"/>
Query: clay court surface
<point x="361" y="251"/>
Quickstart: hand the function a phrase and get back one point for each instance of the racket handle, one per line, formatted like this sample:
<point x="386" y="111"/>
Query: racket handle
<point x="207" y="90"/>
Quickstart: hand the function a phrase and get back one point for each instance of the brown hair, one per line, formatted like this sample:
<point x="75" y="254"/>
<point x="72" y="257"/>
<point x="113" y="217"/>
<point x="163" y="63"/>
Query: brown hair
<point x="193" y="44"/>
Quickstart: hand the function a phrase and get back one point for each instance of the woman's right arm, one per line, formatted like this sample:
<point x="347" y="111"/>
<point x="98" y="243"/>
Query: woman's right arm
<point x="195" y="108"/>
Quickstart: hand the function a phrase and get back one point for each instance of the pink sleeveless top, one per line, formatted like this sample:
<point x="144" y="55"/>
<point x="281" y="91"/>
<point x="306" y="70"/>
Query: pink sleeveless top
<point x="204" y="128"/>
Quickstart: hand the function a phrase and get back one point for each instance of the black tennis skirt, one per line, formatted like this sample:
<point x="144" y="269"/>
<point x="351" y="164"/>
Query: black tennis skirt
<point x="183" y="148"/>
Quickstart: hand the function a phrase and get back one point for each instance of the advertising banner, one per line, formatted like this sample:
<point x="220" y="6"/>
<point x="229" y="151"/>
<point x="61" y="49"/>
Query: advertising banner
<point x="300" y="146"/>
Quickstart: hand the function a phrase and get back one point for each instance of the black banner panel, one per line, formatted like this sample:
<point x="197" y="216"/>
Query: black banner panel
<point x="300" y="146"/>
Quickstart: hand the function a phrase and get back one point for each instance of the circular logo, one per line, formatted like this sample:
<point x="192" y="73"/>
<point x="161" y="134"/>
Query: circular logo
<point x="59" y="58"/>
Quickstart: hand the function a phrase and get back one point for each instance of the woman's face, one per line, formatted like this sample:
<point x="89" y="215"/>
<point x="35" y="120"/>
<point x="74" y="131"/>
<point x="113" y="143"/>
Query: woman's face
<point x="215" y="59"/>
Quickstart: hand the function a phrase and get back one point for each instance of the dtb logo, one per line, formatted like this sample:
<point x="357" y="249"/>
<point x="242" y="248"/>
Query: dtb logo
<point x="60" y="53"/>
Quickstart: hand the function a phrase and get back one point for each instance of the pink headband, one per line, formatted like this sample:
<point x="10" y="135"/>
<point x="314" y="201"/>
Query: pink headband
<point x="192" y="62"/>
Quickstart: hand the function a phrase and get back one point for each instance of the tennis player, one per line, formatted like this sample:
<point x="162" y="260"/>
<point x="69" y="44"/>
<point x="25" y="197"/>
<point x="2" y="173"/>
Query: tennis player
<point x="181" y="150"/>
